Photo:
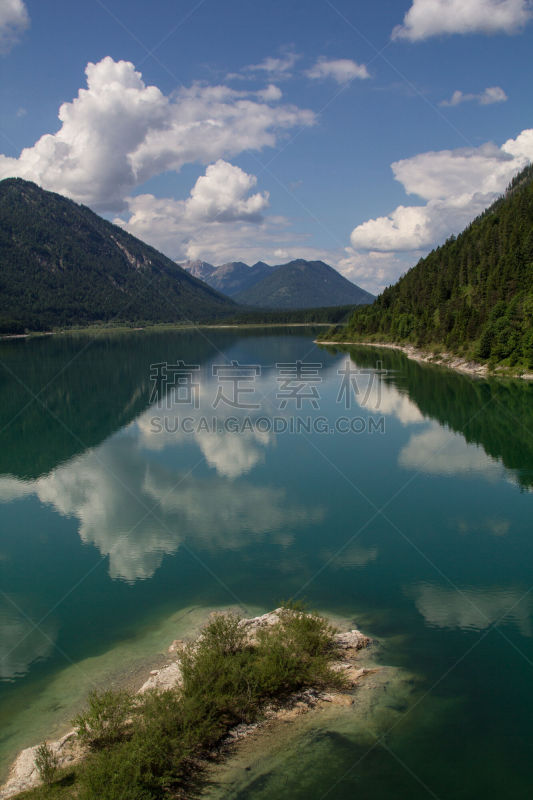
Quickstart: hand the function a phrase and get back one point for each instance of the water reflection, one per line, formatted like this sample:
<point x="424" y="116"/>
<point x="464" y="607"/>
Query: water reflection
<point x="21" y="642"/>
<point x="271" y="515"/>
<point x="495" y="414"/>
<point x="473" y="609"/>
<point x="137" y="511"/>
<point x="438" y="451"/>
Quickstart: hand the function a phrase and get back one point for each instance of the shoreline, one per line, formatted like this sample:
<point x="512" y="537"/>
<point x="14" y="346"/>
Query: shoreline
<point x="162" y="327"/>
<point x="449" y="360"/>
<point x="23" y="775"/>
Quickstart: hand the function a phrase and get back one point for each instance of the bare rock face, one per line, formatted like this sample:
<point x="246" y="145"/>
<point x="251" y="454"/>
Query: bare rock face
<point x="24" y="775"/>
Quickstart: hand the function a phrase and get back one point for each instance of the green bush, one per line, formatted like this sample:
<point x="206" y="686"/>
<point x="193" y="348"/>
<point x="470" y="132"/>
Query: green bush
<point x="105" y="719"/>
<point x="47" y="763"/>
<point x="146" y="748"/>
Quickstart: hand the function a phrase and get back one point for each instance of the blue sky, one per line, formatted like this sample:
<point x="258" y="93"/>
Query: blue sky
<point x="360" y="133"/>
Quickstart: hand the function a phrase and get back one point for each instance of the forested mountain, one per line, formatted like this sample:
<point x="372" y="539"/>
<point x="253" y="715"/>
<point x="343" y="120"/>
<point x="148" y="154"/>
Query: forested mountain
<point x="298" y="284"/>
<point x="230" y="278"/>
<point x="303" y="284"/>
<point x="62" y="264"/>
<point x="472" y="296"/>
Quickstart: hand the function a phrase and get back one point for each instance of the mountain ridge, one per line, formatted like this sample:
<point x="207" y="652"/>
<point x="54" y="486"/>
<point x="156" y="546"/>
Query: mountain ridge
<point x="296" y="284"/>
<point x="62" y="264"/>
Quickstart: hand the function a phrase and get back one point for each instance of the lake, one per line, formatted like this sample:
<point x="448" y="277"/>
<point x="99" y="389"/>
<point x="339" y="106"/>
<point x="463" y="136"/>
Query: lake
<point x="149" y="477"/>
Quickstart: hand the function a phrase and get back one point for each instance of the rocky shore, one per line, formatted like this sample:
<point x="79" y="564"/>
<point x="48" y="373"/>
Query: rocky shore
<point x="442" y="359"/>
<point x="23" y="774"/>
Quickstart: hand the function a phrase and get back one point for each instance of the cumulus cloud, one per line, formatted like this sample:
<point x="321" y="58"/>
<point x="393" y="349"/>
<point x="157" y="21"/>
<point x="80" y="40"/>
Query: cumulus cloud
<point x="373" y="270"/>
<point x="220" y="199"/>
<point x="118" y="132"/>
<point x="14" y="20"/>
<point x="342" y="70"/>
<point x="428" y="18"/>
<point x="492" y="94"/>
<point x="222" y="194"/>
<point x="242" y="233"/>
<point x="456" y="185"/>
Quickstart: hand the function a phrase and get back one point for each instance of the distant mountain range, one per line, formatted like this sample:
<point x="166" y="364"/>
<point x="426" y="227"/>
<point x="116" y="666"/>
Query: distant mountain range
<point x="61" y="264"/>
<point x="231" y="278"/>
<point x="472" y="296"/>
<point x="298" y="284"/>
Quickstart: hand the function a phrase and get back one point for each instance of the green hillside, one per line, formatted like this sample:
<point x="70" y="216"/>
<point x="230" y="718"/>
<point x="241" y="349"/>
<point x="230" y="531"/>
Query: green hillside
<point x="473" y="296"/>
<point x="61" y="264"/>
<point x="303" y="284"/>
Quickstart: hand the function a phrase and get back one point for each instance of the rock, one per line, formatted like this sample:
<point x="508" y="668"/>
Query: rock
<point x="164" y="678"/>
<point x="352" y="640"/>
<point x="23" y="774"/>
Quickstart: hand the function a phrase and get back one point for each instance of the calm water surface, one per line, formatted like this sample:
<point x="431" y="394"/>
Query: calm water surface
<point x="416" y="524"/>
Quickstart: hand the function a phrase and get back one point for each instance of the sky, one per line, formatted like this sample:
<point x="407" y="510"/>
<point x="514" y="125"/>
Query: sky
<point x="360" y="133"/>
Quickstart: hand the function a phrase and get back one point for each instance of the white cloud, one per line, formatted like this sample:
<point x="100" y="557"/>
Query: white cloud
<point x="222" y="194"/>
<point x="237" y="231"/>
<point x="428" y="18"/>
<point x="14" y="20"/>
<point x="456" y="185"/>
<point x="492" y="94"/>
<point x="118" y="132"/>
<point x="270" y="94"/>
<point x="373" y="270"/>
<point x="219" y="207"/>
<point x="271" y="65"/>
<point x="342" y="70"/>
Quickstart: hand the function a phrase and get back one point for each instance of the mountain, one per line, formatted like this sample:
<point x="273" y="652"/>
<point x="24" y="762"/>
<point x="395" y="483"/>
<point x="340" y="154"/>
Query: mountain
<point x="230" y="278"/>
<point x="473" y="296"/>
<point x="199" y="269"/>
<point x="299" y="284"/>
<point x="62" y="264"/>
<point x="303" y="284"/>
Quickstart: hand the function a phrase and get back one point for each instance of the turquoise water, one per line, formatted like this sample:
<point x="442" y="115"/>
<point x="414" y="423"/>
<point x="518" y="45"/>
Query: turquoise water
<point x="414" y="524"/>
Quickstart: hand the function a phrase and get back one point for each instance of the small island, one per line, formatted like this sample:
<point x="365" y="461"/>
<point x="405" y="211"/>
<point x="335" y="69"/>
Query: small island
<point x="236" y="677"/>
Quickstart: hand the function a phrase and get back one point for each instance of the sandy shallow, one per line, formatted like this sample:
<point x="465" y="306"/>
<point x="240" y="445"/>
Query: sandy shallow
<point x="45" y="710"/>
